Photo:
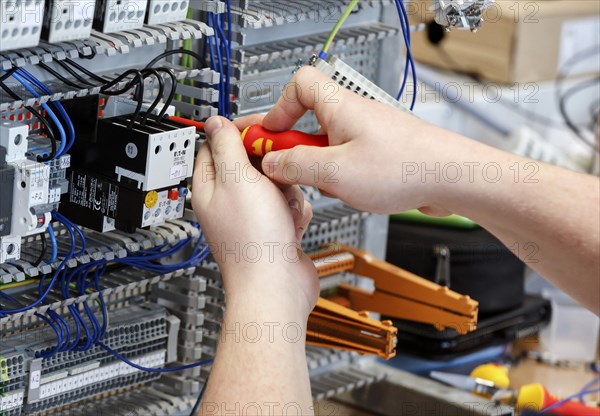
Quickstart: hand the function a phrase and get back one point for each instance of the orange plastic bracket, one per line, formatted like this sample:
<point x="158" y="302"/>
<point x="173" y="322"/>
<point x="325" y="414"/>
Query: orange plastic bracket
<point x="398" y="293"/>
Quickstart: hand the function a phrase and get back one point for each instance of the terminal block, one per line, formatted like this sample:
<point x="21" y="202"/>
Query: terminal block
<point x="334" y="326"/>
<point x="351" y="79"/>
<point x="116" y="15"/>
<point x="21" y="23"/>
<point x="398" y="293"/>
<point x="165" y="11"/>
<point x="66" y="20"/>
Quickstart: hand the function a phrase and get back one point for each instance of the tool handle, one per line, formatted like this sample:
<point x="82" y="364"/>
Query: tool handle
<point x="536" y="397"/>
<point x="570" y="408"/>
<point x="259" y="141"/>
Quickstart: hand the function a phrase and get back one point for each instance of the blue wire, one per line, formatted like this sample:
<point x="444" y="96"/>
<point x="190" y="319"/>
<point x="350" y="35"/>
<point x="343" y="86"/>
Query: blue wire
<point x="56" y="104"/>
<point x="9" y="297"/>
<point x="406" y="42"/>
<point x="225" y="48"/>
<point x="214" y="22"/>
<point x="226" y="45"/>
<point x="409" y="52"/>
<point x="58" y="337"/>
<point x="61" y="130"/>
<point x="53" y="244"/>
<point x="213" y="64"/>
<point x="67" y="223"/>
<point x="50" y="286"/>
<point x="65" y="330"/>
<point x="230" y="46"/>
<point x="152" y="370"/>
<point x="405" y="25"/>
<point x="65" y="339"/>
<point x="591" y="384"/>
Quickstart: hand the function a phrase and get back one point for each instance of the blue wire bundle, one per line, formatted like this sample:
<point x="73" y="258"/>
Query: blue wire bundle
<point x="28" y="81"/>
<point x="220" y="49"/>
<point x="410" y="63"/>
<point x="86" y="330"/>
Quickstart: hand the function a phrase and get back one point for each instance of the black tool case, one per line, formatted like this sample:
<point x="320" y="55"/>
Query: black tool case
<point x="470" y="261"/>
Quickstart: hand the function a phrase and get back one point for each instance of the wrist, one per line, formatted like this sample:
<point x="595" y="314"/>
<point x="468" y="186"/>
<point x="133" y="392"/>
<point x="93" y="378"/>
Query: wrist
<point x="483" y="179"/>
<point x="271" y="290"/>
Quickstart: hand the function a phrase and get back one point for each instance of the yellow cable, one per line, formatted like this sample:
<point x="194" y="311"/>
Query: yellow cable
<point x="339" y="24"/>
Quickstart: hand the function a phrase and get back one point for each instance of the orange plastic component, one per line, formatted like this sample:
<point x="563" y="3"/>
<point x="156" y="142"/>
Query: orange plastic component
<point x="398" y="293"/>
<point x="334" y="326"/>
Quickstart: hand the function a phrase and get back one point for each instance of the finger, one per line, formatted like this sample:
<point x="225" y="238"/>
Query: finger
<point x="243" y="122"/>
<point x="227" y="149"/>
<point x="295" y="198"/>
<point x="304" y="165"/>
<point x="203" y="184"/>
<point x="305" y="222"/>
<point x="310" y="89"/>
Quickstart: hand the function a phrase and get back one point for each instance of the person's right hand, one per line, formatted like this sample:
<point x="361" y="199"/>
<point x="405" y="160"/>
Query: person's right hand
<point x="373" y="153"/>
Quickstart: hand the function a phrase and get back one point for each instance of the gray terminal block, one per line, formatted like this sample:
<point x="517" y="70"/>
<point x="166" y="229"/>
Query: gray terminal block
<point x="35" y="380"/>
<point x="173" y="325"/>
<point x="116" y="15"/>
<point x="165" y="11"/>
<point x="21" y="23"/>
<point x="66" y="20"/>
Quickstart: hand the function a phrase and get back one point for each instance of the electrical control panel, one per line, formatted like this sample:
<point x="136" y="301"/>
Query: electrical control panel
<point x="104" y="273"/>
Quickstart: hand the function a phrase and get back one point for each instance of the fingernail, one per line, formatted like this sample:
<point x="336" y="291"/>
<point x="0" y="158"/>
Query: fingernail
<point x="212" y="126"/>
<point x="272" y="157"/>
<point x="295" y="205"/>
<point x="270" y="162"/>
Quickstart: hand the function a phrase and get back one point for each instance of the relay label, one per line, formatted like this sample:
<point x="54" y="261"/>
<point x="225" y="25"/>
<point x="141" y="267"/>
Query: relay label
<point x="94" y="194"/>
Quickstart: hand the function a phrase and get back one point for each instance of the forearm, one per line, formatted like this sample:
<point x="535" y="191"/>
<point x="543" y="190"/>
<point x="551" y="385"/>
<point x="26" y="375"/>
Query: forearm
<point x="260" y="366"/>
<point x="547" y="215"/>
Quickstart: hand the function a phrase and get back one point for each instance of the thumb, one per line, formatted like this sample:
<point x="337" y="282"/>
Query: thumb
<point x="225" y="142"/>
<point x="303" y="165"/>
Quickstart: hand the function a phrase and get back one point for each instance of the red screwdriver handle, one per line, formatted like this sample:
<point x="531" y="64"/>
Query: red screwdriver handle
<point x="570" y="408"/>
<point x="259" y="141"/>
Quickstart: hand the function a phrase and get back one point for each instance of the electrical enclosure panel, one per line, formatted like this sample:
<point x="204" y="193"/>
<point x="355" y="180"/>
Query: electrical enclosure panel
<point x="66" y="20"/>
<point x="165" y="11"/>
<point x="125" y="186"/>
<point x="20" y="23"/>
<point x="116" y="15"/>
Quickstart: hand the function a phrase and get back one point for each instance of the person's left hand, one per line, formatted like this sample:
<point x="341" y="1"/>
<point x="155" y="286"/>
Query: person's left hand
<point x="253" y="227"/>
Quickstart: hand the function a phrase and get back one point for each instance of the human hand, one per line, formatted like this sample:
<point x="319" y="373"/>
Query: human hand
<point x="253" y="226"/>
<point x="370" y="145"/>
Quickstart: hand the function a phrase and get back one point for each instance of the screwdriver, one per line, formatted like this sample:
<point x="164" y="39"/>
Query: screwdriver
<point x="490" y="380"/>
<point x="259" y="141"/>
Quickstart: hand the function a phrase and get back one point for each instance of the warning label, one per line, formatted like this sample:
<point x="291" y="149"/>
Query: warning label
<point x="94" y="194"/>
